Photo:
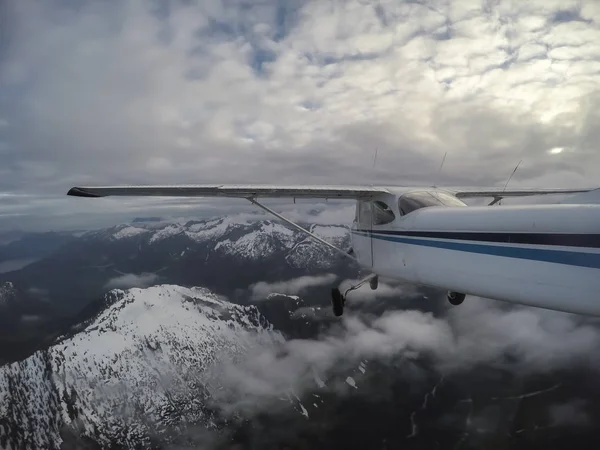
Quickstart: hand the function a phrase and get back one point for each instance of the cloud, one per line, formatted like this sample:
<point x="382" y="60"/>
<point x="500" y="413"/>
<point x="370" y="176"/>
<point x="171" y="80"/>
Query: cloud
<point x="571" y="413"/>
<point x="538" y="339"/>
<point x="295" y="286"/>
<point x="15" y="264"/>
<point x="322" y="214"/>
<point x="131" y="280"/>
<point x="521" y="340"/>
<point x="30" y="318"/>
<point x="302" y="91"/>
<point x="39" y="293"/>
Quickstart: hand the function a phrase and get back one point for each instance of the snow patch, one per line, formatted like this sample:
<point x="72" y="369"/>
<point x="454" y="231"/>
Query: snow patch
<point x="351" y="382"/>
<point x="213" y="229"/>
<point x="304" y="411"/>
<point x="318" y="380"/>
<point x="258" y="243"/>
<point x="167" y="232"/>
<point x="129" y="232"/>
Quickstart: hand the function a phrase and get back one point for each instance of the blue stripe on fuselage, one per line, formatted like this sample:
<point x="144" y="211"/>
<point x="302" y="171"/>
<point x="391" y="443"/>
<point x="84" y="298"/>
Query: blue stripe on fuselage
<point x="571" y="258"/>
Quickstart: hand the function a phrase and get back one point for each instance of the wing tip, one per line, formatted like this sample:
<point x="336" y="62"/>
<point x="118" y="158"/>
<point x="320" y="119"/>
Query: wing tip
<point x="81" y="192"/>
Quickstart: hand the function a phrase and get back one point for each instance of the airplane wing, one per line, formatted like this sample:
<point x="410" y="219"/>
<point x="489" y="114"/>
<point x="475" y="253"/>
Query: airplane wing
<point x="231" y="190"/>
<point x="517" y="193"/>
<point x="274" y="191"/>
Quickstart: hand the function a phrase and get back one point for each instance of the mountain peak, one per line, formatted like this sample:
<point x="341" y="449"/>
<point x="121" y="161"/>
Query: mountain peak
<point x="143" y="355"/>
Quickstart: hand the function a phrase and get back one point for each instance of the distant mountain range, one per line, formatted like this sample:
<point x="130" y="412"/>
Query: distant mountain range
<point x="223" y="254"/>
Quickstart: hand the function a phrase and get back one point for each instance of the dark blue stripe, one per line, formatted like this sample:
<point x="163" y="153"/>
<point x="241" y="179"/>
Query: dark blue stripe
<point x="566" y="257"/>
<point x="590" y="240"/>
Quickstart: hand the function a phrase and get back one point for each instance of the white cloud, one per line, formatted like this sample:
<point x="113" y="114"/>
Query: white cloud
<point x="295" y="286"/>
<point x="538" y="339"/>
<point x="30" y="318"/>
<point x="303" y="92"/>
<point x="38" y="292"/>
<point x="131" y="280"/>
<point x="521" y="340"/>
<point x="322" y="214"/>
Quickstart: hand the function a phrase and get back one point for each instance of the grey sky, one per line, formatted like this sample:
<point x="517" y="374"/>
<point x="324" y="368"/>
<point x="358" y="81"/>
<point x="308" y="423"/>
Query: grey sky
<point x="294" y="92"/>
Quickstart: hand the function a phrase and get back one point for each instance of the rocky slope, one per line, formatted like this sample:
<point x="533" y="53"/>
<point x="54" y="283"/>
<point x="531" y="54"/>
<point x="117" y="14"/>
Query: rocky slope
<point x="129" y="376"/>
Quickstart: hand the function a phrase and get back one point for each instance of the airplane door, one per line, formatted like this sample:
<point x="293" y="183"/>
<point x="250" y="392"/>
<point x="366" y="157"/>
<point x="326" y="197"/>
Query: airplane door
<point x="363" y="242"/>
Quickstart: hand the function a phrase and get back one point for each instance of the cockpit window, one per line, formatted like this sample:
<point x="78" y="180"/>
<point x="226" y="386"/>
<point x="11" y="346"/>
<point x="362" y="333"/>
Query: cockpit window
<point x="417" y="200"/>
<point x="382" y="213"/>
<point x="374" y="213"/>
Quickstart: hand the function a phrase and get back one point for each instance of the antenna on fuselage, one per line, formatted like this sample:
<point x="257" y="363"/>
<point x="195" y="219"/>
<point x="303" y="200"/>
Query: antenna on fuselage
<point x="511" y="175"/>
<point x="440" y="169"/>
<point x="499" y="199"/>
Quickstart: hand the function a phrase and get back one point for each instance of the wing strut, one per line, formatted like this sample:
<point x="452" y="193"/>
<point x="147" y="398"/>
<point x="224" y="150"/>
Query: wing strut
<point x="299" y="228"/>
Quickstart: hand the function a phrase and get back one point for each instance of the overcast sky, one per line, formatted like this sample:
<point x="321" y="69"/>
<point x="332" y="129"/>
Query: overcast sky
<point x="290" y="91"/>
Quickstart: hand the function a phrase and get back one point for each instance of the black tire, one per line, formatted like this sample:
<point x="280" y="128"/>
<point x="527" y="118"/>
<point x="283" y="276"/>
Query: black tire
<point x="456" y="298"/>
<point x="337" y="301"/>
<point x="374" y="282"/>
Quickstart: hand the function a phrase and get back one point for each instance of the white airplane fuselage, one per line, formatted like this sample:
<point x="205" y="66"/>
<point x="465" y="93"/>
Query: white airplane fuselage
<point x="540" y="255"/>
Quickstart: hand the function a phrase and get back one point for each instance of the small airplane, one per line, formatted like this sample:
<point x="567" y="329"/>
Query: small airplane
<point x="545" y="256"/>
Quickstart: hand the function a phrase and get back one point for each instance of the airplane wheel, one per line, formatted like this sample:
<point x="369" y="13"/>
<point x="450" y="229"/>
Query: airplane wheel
<point x="337" y="301"/>
<point x="374" y="282"/>
<point x="456" y="298"/>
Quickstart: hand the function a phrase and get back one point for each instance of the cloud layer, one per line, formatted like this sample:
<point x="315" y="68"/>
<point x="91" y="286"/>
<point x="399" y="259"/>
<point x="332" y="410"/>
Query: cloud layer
<point x="131" y="280"/>
<point x="481" y="332"/>
<point x="301" y="91"/>
<point x="295" y="286"/>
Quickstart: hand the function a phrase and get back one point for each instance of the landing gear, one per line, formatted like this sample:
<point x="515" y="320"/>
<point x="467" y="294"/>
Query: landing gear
<point x="374" y="282"/>
<point x="338" y="300"/>
<point x="456" y="298"/>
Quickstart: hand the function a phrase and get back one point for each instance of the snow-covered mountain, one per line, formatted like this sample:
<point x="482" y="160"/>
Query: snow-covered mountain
<point x="224" y="254"/>
<point x="243" y="236"/>
<point x="129" y="375"/>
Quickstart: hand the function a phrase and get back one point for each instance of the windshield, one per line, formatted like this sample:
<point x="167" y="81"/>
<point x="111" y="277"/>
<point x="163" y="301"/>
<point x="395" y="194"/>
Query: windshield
<point x="417" y="200"/>
<point x="448" y="199"/>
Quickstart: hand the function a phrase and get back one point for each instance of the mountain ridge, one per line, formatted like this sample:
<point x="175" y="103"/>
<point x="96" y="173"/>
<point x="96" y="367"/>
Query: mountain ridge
<point x="131" y="373"/>
<point x="197" y="252"/>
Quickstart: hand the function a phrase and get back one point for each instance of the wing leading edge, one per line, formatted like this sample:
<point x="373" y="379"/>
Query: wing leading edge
<point x="231" y="190"/>
<point x="517" y="193"/>
<point x="275" y="191"/>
